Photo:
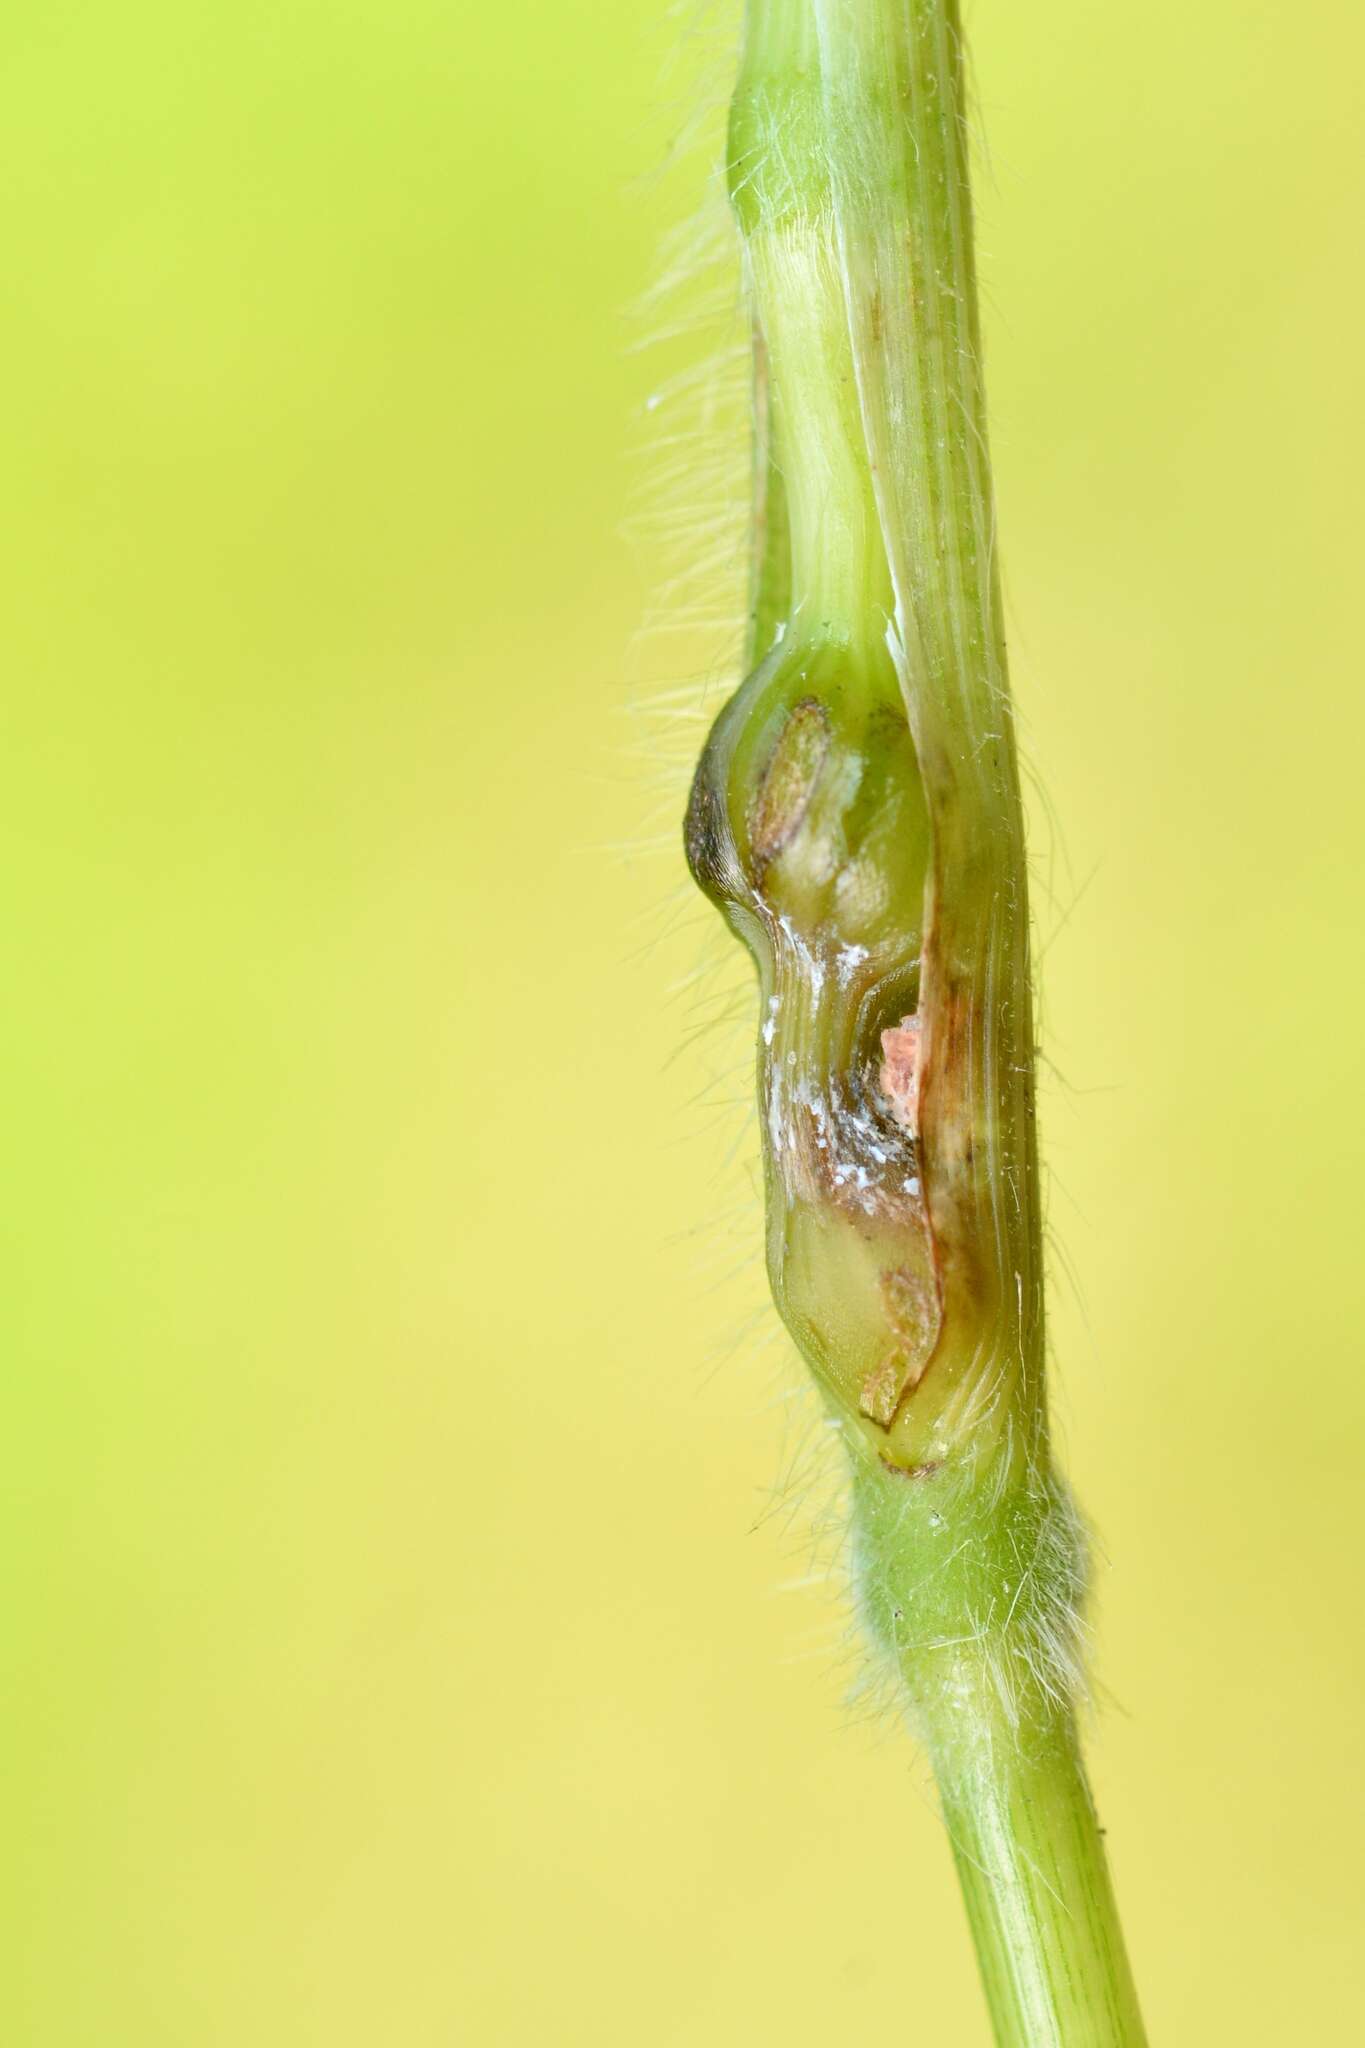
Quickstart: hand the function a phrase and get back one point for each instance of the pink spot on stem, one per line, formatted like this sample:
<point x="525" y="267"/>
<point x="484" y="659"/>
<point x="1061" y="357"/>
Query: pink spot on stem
<point x="899" y="1076"/>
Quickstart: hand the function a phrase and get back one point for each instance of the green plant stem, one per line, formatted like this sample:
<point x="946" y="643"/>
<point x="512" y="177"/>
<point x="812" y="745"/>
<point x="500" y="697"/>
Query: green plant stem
<point x="1036" y="1885"/>
<point x="857" y="817"/>
<point x="959" y="1587"/>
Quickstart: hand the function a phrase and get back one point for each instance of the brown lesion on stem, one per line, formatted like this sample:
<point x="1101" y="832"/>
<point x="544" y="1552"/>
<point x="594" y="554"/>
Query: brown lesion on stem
<point x="784" y="795"/>
<point x="925" y="1471"/>
<point x="914" y="1314"/>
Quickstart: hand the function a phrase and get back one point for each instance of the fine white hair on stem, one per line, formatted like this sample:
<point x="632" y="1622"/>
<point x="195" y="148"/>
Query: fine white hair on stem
<point x="691" y="515"/>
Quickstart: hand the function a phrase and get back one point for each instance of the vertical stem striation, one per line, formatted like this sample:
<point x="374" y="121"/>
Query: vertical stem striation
<point x="970" y="1593"/>
<point x="897" y="159"/>
<point x="1038" y="1897"/>
<point x="856" y="817"/>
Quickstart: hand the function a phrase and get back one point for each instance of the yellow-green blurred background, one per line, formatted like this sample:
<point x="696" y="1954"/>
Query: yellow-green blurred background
<point x="394" y="1641"/>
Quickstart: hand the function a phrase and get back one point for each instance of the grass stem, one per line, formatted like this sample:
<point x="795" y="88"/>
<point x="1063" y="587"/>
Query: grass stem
<point x="856" y="817"/>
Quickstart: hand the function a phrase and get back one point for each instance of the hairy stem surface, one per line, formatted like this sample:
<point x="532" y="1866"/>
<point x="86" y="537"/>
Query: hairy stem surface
<point x="856" y="818"/>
